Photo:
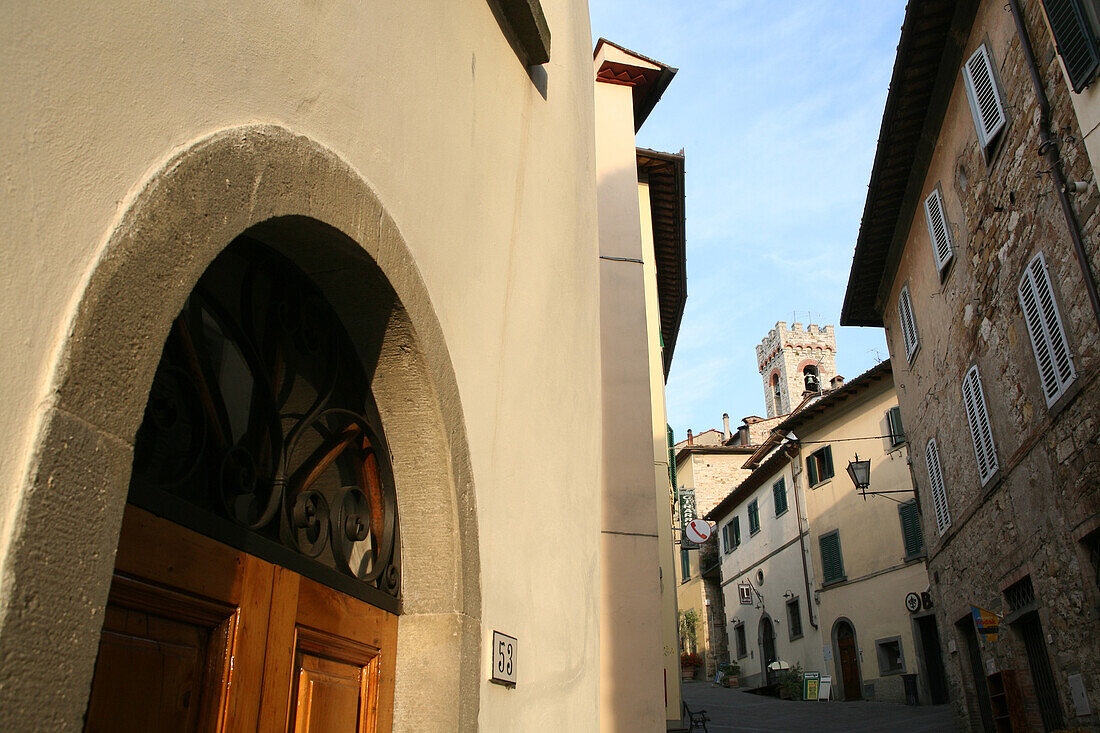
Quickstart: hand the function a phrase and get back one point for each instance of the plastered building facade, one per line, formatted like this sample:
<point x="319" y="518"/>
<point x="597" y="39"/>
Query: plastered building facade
<point x="1004" y="449"/>
<point x="436" y="206"/>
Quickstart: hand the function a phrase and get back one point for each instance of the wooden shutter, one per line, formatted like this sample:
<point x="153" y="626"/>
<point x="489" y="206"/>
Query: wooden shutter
<point x="736" y="531"/>
<point x="980" y="430"/>
<point x="908" y="323"/>
<point x="893" y="421"/>
<point x="1044" y="326"/>
<point x="985" y="98"/>
<point x="811" y="468"/>
<point x="938" y="230"/>
<point x="1075" y="41"/>
<point x="827" y="462"/>
<point x="935" y="482"/>
<point x="832" y="564"/>
<point x="754" y="517"/>
<point x="910" y="529"/>
<point x="779" y="493"/>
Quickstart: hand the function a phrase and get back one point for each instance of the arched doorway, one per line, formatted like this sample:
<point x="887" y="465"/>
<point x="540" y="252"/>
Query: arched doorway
<point x="847" y="656"/>
<point x="303" y="201"/>
<point x="261" y="476"/>
<point x="767" y="648"/>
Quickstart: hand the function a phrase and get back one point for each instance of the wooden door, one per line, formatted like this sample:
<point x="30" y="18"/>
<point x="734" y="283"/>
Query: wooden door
<point x="849" y="662"/>
<point x="198" y="636"/>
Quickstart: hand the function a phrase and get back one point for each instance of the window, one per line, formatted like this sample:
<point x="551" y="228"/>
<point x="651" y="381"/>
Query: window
<point x="754" y="517"/>
<point x="984" y="96"/>
<point x="890" y="659"/>
<point x="935" y="483"/>
<point x="819" y="465"/>
<point x="811" y="378"/>
<point x="1092" y="547"/>
<point x="794" y="619"/>
<point x="727" y="537"/>
<point x="910" y="529"/>
<point x="1072" y="26"/>
<point x="739" y="638"/>
<point x="893" y="422"/>
<point x="980" y="431"/>
<point x="832" y="563"/>
<point x="736" y="532"/>
<point x="1044" y="326"/>
<point x="775" y="392"/>
<point x="685" y="565"/>
<point x="908" y="324"/>
<point x="779" y="493"/>
<point x="939" y="231"/>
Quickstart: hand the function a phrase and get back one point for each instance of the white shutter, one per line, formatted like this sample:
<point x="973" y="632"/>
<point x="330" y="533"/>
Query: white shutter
<point x="935" y="482"/>
<point x="908" y="323"/>
<point x="1044" y="326"/>
<point x="938" y="230"/>
<point x="980" y="431"/>
<point x="985" y="98"/>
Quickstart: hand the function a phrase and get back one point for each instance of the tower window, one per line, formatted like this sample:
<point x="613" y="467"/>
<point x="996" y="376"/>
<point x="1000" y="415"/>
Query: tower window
<point x="775" y="391"/>
<point x="812" y="378"/>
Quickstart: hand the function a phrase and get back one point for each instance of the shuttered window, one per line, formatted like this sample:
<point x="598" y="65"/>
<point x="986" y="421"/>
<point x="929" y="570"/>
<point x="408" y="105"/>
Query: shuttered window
<point x="935" y="483"/>
<point x="910" y="529"/>
<point x="832" y="564"/>
<point x="727" y="544"/>
<point x="754" y="517"/>
<point x="980" y="430"/>
<point x="779" y="493"/>
<point x="1044" y="326"/>
<point x="985" y="98"/>
<point x="736" y="531"/>
<point x="893" y="422"/>
<point x="819" y="466"/>
<point x="938" y="230"/>
<point x="908" y="324"/>
<point x="1075" y="40"/>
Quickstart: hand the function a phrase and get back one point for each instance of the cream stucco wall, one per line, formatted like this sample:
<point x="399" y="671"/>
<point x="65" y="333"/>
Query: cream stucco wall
<point x="775" y="551"/>
<point x="486" y="171"/>
<point x="878" y="576"/>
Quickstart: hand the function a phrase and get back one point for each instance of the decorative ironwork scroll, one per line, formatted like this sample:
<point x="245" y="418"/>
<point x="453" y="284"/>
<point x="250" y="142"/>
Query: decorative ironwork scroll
<point x="260" y="430"/>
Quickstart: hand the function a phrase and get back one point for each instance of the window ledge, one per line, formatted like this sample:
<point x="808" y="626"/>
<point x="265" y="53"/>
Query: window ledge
<point x="524" y="25"/>
<point x="834" y="581"/>
<point x="780" y="514"/>
<point x="796" y="638"/>
<point x="889" y="673"/>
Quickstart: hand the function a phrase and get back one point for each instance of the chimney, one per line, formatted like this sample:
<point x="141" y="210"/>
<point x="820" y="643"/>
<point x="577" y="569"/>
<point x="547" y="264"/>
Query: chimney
<point x="836" y="382"/>
<point x="691" y="441"/>
<point x="743" y="435"/>
<point x="725" y="427"/>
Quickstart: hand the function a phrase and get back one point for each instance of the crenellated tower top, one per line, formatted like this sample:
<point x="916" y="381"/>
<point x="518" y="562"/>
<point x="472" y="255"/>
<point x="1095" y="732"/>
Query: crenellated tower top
<point x="794" y="362"/>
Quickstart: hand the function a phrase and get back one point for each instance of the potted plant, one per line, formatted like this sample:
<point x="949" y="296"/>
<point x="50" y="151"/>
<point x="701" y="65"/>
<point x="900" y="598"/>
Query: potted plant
<point x="729" y="674"/>
<point x="790" y="683"/>
<point x="689" y="662"/>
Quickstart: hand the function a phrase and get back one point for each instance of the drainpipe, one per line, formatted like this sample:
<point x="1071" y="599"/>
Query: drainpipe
<point x="1048" y="147"/>
<point x="796" y="472"/>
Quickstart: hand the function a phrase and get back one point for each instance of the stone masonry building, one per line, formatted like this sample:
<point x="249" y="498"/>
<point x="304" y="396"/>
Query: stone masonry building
<point x="788" y="356"/>
<point x="977" y="252"/>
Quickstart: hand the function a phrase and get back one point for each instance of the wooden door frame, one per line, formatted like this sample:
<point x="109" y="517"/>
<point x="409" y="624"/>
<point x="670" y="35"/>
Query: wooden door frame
<point x="838" y="669"/>
<point x="60" y="556"/>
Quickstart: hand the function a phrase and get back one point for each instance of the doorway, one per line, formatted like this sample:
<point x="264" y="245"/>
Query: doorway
<point x="767" y="649"/>
<point x="965" y="627"/>
<point x="932" y="656"/>
<point x="848" y="658"/>
<point x="257" y="578"/>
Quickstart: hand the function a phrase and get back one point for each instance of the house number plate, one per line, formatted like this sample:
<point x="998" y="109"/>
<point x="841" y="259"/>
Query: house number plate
<point x="504" y="658"/>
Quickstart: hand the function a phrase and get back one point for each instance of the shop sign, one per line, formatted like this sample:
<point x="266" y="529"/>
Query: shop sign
<point x="987" y="623"/>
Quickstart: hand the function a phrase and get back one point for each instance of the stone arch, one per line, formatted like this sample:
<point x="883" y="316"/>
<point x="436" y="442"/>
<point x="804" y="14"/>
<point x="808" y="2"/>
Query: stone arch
<point x="287" y="190"/>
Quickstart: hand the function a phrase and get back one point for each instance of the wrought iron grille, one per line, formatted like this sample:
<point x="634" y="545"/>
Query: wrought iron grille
<point x="1020" y="594"/>
<point x="260" y="430"/>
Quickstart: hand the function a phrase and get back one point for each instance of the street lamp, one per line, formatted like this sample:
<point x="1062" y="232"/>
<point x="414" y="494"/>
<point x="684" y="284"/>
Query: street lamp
<point x="860" y="471"/>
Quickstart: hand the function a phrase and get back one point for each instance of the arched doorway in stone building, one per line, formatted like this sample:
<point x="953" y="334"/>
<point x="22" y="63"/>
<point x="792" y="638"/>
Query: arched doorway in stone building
<point x="279" y="225"/>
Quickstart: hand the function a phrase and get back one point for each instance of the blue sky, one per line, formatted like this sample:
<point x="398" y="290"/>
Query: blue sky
<point x="777" y="107"/>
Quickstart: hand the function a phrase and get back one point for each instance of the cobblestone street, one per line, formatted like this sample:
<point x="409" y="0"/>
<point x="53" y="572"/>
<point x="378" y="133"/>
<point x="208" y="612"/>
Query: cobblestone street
<point x="734" y="710"/>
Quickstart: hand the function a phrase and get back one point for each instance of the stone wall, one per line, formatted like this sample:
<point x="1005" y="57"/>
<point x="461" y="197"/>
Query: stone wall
<point x="716" y="475"/>
<point x="1029" y="518"/>
<point x="786" y="351"/>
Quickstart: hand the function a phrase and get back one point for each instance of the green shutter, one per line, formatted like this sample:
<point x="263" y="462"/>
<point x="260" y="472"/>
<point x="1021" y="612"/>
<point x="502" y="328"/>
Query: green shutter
<point x="779" y="492"/>
<point x="736" y="531"/>
<point x="832" y="564"/>
<point x="827" y="459"/>
<point x="671" y="458"/>
<point x="811" y="468"/>
<point x="910" y="529"/>
<point x="754" y="517"/>
<point x="897" y="432"/>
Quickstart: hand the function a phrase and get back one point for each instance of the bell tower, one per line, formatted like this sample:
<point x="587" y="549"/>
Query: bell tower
<point x="794" y="363"/>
